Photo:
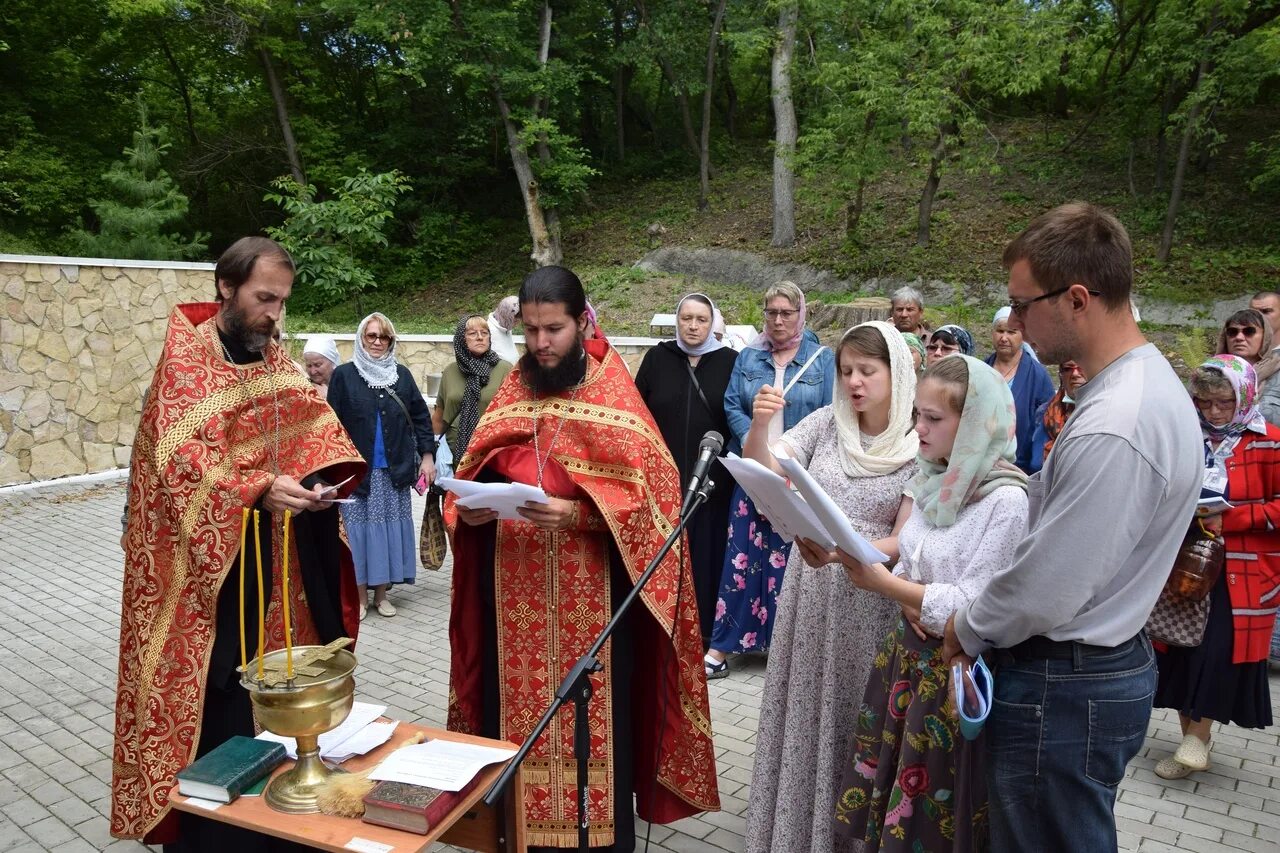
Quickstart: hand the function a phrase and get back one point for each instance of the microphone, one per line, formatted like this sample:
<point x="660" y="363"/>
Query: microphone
<point x="708" y="450"/>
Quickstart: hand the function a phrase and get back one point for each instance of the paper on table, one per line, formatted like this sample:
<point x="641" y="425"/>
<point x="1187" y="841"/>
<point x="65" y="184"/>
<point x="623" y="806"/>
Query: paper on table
<point x="362" y="742"/>
<point x="787" y="512"/>
<point x="333" y="743"/>
<point x="503" y="497"/>
<point x="444" y="764"/>
<point x="835" y="522"/>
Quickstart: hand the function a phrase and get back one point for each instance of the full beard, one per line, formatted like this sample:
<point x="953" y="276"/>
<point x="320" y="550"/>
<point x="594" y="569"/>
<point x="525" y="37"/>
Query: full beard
<point x="552" y="380"/>
<point x="254" y="340"/>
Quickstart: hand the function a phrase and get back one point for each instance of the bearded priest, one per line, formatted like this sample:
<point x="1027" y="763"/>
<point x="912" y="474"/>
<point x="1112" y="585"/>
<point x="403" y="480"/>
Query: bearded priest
<point x="530" y="596"/>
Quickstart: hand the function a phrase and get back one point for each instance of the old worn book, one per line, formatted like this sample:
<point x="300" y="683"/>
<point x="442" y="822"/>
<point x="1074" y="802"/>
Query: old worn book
<point x="227" y="770"/>
<point x="413" y="808"/>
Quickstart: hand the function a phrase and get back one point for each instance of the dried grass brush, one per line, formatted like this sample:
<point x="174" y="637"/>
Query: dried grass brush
<point x="342" y="794"/>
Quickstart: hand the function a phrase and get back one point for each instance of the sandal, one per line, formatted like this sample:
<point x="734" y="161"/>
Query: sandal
<point x="715" y="668"/>
<point x="1193" y="752"/>
<point x="1172" y="768"/>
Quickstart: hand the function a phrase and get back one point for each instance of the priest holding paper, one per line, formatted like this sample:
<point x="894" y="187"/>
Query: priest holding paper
<point x="232" y="441"/>
<point x="531" y="595"/>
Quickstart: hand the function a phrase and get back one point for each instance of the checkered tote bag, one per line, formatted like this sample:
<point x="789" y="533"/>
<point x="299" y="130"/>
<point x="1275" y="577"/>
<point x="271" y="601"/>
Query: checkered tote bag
<point x="1182" y="610"/>
<point x="1178" y="621"/>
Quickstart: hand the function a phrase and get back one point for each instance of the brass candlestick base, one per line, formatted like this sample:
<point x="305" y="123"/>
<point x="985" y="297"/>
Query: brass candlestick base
<point x="304" y="708"/>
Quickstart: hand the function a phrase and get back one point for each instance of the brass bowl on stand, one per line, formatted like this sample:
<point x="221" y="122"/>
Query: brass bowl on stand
<point x="303" y="709"/>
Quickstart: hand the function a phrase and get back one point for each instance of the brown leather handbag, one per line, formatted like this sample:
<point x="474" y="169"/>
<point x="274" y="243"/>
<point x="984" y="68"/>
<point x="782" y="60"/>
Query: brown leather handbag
<point x="1182" y="610"/>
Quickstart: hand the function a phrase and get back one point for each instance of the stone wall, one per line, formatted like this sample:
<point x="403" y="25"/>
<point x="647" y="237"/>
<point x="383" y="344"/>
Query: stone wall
<point x="79" y="340"/>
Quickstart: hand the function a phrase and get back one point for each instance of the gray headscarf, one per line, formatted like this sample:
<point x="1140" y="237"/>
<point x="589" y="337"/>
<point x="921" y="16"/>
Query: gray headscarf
<point x="378" y="372"/>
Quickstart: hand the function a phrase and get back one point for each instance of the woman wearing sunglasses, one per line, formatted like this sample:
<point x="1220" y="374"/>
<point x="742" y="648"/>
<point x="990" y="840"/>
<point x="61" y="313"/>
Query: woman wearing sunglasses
<point x="382" y="409"/>
<point x="948" y="340"/>
<point x="1248" y="335"/>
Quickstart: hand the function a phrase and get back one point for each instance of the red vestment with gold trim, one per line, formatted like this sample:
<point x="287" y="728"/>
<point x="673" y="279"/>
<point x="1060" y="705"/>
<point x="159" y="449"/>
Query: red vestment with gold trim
<point x="204" y="450"/>
<point x="552" y="596"/>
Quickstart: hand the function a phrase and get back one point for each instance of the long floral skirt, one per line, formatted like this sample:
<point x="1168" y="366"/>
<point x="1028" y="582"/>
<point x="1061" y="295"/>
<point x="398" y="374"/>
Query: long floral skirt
<point x="380" y="530"/>
<point x="912" y="783"/>
<point x="755" y="562"/>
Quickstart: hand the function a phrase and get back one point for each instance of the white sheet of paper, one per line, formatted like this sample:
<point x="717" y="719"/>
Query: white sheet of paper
<point x="833" y="520"/>
<point x="207" y="805"/>
<point x="332" y="742"/>
<point x="444" y="764"/>
<point x="785" y="509"/>
<point x="362" y="742"/>
<point x="503" y="497"/>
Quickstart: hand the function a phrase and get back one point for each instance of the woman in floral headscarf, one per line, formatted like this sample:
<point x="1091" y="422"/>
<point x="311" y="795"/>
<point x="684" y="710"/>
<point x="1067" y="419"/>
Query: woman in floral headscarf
<point x="948" y="340"/>
<point x="1225" y="677"/>
<point x="911" y="778"/>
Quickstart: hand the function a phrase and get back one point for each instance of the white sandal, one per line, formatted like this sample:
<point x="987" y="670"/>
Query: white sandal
<point x="1172" y="768"/>
<point x="1193" y="752"/>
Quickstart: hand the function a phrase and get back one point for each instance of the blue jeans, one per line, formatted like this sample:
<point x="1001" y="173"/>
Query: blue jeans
<point x="1059" y="737"/>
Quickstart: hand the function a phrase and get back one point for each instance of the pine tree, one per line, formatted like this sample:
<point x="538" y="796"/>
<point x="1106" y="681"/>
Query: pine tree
<point x="144" y="203"/>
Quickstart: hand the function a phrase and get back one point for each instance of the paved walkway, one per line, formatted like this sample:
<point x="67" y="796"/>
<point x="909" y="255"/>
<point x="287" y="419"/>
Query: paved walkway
<point x="60" y="567"/>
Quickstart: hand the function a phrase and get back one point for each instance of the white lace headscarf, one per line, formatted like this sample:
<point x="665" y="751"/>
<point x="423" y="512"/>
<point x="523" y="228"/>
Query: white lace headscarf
<point x="898" y="444"/>
<point x="378" y="372"/>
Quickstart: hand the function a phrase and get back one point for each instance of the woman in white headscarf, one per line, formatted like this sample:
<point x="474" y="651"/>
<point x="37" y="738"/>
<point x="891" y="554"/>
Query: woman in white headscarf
<point x="501" y="321"/>
<point x="1028" y="381"/>
<point x="383" y="411"/>
<point x="319" y="358"/>
<point x="862" y="450"/>
<point x="683" y="383"/>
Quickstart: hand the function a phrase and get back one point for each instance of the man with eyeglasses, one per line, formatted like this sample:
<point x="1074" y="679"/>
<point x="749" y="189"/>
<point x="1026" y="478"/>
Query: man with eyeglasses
<point x="1107" y="515"/>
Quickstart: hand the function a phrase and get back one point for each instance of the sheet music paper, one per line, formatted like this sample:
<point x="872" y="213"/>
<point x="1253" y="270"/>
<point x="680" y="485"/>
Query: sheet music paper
<point x="832" y="518"/>
<point x="445" y="764"/>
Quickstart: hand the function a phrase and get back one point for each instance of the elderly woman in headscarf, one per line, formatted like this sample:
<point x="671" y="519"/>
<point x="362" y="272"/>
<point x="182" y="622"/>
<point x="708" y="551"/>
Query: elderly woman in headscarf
<point x="319" y="358"/>
<point x="1225" y="677"/>
<point x="467" y="386"/>
<point x="862" y="451"/>
<point x="683" y="383"/>
<point x="1052" y="416"/>
<point x="1248" y="335"/>
<point x="1028" y="381"/>
<point x="788" y="357"/>
<point x="380" y="406"/>
<point x="954" y="339"/>
<point x="909" y="773"/>
<point x="500" y="323"/>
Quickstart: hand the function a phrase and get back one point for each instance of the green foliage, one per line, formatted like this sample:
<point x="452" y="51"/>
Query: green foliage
<point x="333" y="239"/>
<point x="144" y="204"/>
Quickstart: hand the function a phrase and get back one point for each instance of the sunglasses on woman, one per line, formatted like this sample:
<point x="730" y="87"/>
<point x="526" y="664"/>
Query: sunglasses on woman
<point x="373" y="338"/>
<point x="1247" y="331"/>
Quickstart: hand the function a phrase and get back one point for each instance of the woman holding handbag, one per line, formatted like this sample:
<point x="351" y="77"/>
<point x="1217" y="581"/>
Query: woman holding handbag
<point x="1224" y="678"/>
<point x="382" y="409"/>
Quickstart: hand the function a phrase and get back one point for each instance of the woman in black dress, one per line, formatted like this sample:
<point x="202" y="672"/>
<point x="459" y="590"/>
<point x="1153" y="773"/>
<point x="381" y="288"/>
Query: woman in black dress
<point x="683" y="383"/>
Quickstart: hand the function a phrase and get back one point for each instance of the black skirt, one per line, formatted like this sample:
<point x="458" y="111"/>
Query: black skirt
<point x="1203" y="682"/>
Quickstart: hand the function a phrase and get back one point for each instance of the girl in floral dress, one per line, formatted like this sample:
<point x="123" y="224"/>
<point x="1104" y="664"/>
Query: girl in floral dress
<point x="912" y="783"/>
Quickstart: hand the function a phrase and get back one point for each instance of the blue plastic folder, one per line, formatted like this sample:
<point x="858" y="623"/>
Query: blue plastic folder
<point x="973" y="713"/>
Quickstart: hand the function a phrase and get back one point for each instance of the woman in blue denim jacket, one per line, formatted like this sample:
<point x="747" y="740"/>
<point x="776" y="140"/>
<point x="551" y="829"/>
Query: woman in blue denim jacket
<point x="756" y="557"/>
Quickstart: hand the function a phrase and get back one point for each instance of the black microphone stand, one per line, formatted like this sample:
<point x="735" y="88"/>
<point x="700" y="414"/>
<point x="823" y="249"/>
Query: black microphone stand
<point x="577" y="684"/>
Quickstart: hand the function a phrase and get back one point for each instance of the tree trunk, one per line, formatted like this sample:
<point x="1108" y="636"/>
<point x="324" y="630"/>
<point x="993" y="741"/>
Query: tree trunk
<point x="546" y="245"/>
<point x="551" y="217"/>
<point x="853" y="211"/>
<point x="1180" y="169"/>
<point x="183" y="89"/>
<point x="1162" y="138"/>
<point x="704" y="147"/>
<point x="784" y="116"/>
<point x="931" y="188"/>
<point x="1061" y="97"/>
<point x="282" y="115"/>
<point x="681" y="94"/>
<point x="619" y="89"/>
<point x="730" y="95"/>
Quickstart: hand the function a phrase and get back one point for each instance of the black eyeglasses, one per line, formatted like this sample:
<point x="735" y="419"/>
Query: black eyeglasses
<point x="1020" y="306"/>
<point x="1247" y="331"/>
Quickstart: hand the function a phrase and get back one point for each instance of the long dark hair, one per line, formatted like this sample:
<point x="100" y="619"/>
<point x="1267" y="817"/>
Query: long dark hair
<point x="555" y="285"/>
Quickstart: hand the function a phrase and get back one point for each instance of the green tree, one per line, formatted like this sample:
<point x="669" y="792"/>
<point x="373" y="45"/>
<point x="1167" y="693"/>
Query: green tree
<point x="145" y="204"/>
<point x="333" y="240"/>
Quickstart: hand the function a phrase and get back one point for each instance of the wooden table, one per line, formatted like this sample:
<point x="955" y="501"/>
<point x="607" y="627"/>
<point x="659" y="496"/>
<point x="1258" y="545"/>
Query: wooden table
<point x="471" y="824"/>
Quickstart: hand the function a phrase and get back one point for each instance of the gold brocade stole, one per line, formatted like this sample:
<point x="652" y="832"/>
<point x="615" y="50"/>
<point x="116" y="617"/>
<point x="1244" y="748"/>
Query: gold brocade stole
<point x="533" y="568"/>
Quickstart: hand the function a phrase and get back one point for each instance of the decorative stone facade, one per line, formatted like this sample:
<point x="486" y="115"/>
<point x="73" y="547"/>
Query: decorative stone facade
<point x="79" y="340"/>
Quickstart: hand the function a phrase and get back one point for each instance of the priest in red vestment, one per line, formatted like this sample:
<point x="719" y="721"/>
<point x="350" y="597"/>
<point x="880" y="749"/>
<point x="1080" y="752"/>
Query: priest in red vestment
<point x="530" y="596"/>
<point x="228" y="423"/>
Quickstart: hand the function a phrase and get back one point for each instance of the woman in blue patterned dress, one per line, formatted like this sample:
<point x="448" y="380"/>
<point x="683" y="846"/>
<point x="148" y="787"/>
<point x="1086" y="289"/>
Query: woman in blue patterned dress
<point x="785" y="355"/>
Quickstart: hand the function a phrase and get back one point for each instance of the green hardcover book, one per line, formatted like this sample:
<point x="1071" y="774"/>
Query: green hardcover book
<point x="224" y="772"/>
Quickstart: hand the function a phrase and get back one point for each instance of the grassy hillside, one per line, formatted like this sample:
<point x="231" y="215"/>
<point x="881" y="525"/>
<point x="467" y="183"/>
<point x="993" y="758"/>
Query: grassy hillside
<point x="1227" y="241"/>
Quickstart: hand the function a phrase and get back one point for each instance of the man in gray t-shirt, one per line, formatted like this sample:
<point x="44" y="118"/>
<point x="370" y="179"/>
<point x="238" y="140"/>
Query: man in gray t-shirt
<point x="1107" y="515"/>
